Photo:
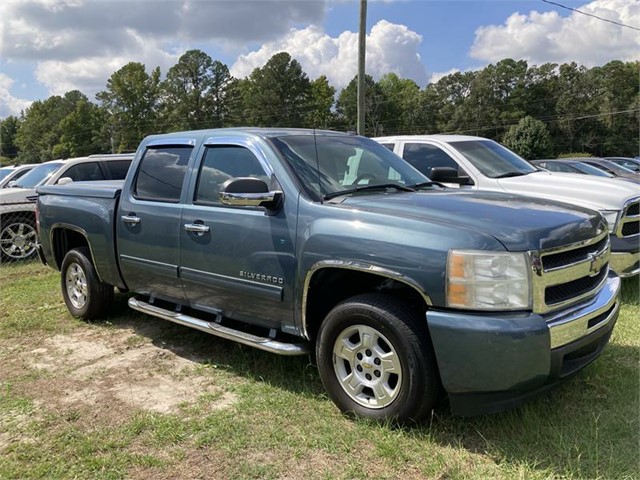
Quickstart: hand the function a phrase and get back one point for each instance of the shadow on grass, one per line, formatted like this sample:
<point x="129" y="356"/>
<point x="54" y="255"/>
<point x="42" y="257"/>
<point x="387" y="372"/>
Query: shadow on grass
<point x="586" y="428"/>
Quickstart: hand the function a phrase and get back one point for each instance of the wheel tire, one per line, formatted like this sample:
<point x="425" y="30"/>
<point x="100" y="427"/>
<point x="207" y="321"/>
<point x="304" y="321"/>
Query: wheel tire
<point x="18" y="238"/>
<point x="376" y="361"/>
<point x="84" y="294"/>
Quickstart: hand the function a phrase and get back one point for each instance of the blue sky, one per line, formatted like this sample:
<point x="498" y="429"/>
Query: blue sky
<point x="53" y="46"/>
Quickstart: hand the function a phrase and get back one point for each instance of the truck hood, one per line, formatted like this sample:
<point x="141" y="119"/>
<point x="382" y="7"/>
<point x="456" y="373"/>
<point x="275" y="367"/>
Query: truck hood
<point x="592" y="192"/>
<point x="15" y="195"/>
<point x="519" y="223"/>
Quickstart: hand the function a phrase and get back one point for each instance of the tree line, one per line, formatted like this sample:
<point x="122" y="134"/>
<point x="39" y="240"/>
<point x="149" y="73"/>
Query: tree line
<point x="539" y="111"/>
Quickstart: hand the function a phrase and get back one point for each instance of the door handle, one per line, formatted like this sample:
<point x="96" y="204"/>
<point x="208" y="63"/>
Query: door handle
<point x="131" y="219"/>
<point x="196" y="228"/>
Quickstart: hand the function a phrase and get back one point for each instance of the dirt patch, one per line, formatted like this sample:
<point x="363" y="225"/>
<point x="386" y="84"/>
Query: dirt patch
<point x="95" y="369"/>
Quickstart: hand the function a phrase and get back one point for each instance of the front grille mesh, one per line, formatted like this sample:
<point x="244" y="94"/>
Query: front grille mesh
<point x="630" y="228"/>
<point x="567" y="291"/>
<point x="568" y="257"/>
<point x="634" y="209"/>
<point x="569" y="275"/>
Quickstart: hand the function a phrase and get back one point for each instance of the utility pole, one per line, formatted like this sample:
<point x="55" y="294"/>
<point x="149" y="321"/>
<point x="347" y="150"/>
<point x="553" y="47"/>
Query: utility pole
<point x="362" y="36"/>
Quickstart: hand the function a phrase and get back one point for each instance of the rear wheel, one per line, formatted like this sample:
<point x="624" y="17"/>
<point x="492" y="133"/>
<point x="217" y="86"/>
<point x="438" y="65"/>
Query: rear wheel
<point x="376" y="361"/>
<point x="18" y="238"/>
<point x="84" y="294"/>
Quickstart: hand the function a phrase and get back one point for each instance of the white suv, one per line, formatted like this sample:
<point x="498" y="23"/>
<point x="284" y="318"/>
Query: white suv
<point x="482" y="164"/>
<point x="17" y="208"/>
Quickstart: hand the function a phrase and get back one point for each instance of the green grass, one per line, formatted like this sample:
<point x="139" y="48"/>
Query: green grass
<point x="280" y="422"/>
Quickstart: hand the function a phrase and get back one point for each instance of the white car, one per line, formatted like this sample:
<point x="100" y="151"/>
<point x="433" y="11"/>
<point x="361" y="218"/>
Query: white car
<point x="482" y="164"/>
<point x="14" y="172"/>
<point x="17" y="206"/>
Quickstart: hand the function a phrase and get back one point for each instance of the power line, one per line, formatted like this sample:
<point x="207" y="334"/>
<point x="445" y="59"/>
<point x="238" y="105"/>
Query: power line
<point x="591" y="15"/>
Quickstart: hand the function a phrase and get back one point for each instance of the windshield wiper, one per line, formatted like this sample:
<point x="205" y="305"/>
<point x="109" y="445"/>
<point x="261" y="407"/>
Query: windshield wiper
<point x="427" y="184"/>
<point x="375" y="186"/>
<point x="512" y="174"/>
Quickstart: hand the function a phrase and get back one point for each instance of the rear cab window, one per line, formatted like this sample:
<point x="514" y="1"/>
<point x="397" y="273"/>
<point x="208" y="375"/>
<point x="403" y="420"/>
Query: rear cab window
<point x="161" y="173"/>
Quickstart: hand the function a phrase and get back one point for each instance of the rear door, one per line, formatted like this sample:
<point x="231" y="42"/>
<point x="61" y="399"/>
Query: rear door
<point x="236" y="260"/>
<point x="148" y="222"/>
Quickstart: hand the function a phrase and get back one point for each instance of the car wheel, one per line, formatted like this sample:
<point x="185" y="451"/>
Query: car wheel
<point x="84" y="294"/>
<point x="376" y="361"/>
<point x="18" y="238"/>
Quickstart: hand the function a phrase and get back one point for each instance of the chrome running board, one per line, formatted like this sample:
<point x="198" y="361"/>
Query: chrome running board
<point x="263" y="343"/>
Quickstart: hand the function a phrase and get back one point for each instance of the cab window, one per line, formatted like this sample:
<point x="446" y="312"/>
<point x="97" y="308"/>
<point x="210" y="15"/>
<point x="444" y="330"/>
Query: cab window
<point x="161" y="174"/>
<point x="221" y="163"/>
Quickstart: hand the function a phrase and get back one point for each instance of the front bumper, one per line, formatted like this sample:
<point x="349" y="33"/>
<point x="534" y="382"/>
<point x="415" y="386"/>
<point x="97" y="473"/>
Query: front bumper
<point x="625" y="264"/>
<point x="489" y="361"/>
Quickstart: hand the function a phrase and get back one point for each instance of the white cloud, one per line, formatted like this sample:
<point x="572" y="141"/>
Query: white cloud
<point x="10" y="105"/>
<point x="89" y="75"/>
<point x="64" y="30"/>
<point x="549" y="37"/>
<point x="436" y="76"/>
<point x="390" y="48"/>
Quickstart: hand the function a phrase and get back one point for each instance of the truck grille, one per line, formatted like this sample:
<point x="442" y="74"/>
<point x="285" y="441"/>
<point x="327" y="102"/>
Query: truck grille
<point x="566" y="275"/>
<point x="630" y="221"/>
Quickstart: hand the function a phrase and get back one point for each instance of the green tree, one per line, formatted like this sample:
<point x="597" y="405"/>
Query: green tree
<point x="529" y="138"/>
<point x="8" y="130"/>
<point x="81" y="132"/>
<point x="131" y="101"/>
<point x="376" y="106"/>
<point x="322" y="99"/>
<point x="39" y="131"/>
<point x="278" y="94"/>
<point x="403" y="112"/>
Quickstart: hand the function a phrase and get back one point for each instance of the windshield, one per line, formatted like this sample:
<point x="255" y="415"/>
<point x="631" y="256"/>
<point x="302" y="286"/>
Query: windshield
<point x="38" y="175"/>
<point x="591" y="170"/>
<point x="492" y="159"/>
<point x="328" y="164"/>
<point x="5" y="171"/>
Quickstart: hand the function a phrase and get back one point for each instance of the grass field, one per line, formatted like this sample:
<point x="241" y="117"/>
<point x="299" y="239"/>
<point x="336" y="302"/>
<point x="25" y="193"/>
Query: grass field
<point x="137" y="397"/>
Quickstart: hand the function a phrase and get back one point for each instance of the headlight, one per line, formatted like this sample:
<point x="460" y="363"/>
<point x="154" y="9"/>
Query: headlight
<point x="611" y="216"/>
<point x="481" y="280"/>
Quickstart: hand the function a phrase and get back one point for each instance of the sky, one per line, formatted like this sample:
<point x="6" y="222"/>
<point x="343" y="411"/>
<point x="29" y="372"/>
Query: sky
<point x="49" y="47"/>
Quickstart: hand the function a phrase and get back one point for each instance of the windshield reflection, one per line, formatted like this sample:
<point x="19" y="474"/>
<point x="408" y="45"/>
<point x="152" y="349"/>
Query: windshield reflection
<point x="492" y="159"/>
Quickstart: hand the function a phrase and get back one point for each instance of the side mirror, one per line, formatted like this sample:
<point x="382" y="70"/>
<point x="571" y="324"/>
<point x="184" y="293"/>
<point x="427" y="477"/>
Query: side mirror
<point x="448" y="175"/>
<point x="249" y="192"/>
<point x="11" y="184"/>
<point x="64" y="181"/>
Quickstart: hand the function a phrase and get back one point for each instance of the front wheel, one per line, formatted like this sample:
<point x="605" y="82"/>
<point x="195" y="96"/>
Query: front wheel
<point x="84" y="294"/>
<point x="376" y="361"/>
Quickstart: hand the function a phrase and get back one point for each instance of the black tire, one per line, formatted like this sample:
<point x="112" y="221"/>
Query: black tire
<point x="400" y="344"/>
<point x="84" y="294"/>
<point x="18" y="237"/>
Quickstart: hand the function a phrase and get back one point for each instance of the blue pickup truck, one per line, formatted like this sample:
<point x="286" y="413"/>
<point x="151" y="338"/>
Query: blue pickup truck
<point x="313" y="242"/>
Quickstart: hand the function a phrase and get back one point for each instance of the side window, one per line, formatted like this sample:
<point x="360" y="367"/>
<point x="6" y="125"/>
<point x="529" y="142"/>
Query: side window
<point x="161" y="173"/>
<point x="220" y="163"/>
<point x="118" y="168"/>
<point x="388" y="146"/>
<point x="424" y="157"/>
<point x="83" y="172"/>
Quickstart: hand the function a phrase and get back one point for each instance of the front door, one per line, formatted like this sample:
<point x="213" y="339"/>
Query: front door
<point x="149" y="222"/>
<point x="238" y="261"/>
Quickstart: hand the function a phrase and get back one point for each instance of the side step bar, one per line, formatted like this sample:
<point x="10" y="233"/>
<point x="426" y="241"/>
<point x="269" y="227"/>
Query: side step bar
<point x="263" y="343"/>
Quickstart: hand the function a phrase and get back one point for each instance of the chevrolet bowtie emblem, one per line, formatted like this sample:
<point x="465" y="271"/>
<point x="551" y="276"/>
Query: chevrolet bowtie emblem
<point x="597" y="262"/>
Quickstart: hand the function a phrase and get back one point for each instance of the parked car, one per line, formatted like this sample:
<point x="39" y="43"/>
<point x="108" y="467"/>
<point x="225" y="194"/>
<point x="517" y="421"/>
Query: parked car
<point x="12" y="173"/>
<point x="17" y="217"/>
<point x="632" y="164"/>
<point x="568" y="166"/>
<point x="577" y="166"/>
<point x="294" y="240"/>
<point x="610" y="167"/>
<point x="476" y="163"/>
